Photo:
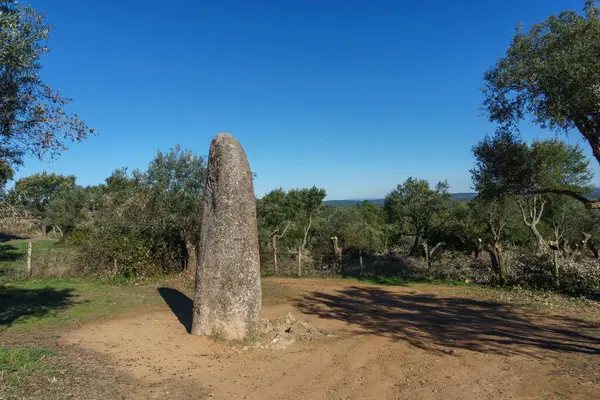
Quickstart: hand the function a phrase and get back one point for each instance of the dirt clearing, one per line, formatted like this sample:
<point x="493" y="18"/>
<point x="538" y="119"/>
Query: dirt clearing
<point x="386" y="343"/>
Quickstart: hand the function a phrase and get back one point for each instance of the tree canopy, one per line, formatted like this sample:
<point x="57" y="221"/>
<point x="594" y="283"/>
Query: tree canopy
<point x="506" y="165"/>
<point x="33" y="115"/>
<point x="415" y="207"/>
<point x="550" y="74"/>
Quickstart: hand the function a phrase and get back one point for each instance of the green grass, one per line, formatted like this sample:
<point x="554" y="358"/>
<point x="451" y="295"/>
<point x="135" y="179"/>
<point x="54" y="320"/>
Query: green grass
<point x="18" y="366"/>
<point x="41" y="302"/>
<point x="13" y="254"/>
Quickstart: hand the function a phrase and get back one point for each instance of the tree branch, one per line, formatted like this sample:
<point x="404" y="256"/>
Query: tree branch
<point x="284" y="231"/>
<point x="539" y="216"/>
<point x="522" y="212"/>
<point x="588" y="203"/>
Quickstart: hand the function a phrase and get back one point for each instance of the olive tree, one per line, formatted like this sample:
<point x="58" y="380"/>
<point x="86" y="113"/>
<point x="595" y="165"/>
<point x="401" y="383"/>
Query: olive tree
<point x="507" y="166"/>
<point x="417" y="208"/>
<point x="35" y="192"/>
<point x="550" y="74"/>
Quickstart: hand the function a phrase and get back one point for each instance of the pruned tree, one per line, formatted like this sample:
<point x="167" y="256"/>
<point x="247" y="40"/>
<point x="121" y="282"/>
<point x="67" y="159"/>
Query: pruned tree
<point x="551" y="74"/>
<point x="306" y="204"/>
<point x="495" y="214"/>
<point x="275" y="215"/>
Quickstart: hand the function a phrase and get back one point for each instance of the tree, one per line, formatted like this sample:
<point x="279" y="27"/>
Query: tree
<point x="374" y="234"/>
<point x="495" y="214"/>
<point x="306" y="203"/>
<point x="551" y="74"/>
<point x="175" y="182"/>
<point x="506" y="166"/>
<point x="36" y="191"/>
<point x="275" y="214"/>
<point x="33" y="119"/>
<point x="68" y="209"/>
<point x="417" y="208"/>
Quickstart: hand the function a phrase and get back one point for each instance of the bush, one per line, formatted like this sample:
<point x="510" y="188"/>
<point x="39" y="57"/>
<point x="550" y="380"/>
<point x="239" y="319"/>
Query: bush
<point x="581" y="278"/>
<point x="533" y="272"/>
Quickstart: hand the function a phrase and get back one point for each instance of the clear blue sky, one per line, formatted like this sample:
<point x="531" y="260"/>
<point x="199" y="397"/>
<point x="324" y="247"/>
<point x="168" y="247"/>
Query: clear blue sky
<point x="351" y="96"/>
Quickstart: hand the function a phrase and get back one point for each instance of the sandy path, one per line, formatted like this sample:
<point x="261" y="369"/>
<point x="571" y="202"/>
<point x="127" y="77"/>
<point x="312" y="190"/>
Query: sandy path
<point x="392" y="343"/>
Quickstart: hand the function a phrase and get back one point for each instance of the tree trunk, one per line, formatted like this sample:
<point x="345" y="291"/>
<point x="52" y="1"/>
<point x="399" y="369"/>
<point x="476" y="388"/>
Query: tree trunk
<point x="275" y="236"/>
<point x="532" y="216"/>
<point x="539" y="239"/>
<point x="592" y="135"/>
<point x="360" y="258"/>
<point x="556" y="273"/>
<point x="478" y="249"/>
<point x="501" y="265"/>
<point x="274" y="246"/>
<point x="416" y="244"/>
<point x="304" y="244"/>
<point x="190" y="262"/>
<point x="593" y="248"/>
<point x="588" y="241"/>
<point x="425" y="245"/>
<point x="497" y="262"/>
<point x="566" y="248"/>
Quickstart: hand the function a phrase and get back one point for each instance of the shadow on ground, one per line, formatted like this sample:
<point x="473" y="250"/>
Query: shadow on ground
<point x="441" y="324"/>
<point x="180" y="305"/>
<point x="5" y="237"/>
<point x="19" y="303"/>
<point x="8" y="252"/>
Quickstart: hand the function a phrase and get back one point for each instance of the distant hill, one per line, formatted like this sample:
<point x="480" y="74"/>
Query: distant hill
<point x="379" y="202"/>
<point x="455" y="196"/>
<point x="352" y="202"/>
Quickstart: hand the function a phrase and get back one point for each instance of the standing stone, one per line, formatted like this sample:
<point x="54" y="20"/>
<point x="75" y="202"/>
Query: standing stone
<point x="227" y="300"/>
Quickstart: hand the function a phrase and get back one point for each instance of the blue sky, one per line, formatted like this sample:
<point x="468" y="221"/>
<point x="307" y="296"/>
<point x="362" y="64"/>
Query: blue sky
<point x="351" y="96"/>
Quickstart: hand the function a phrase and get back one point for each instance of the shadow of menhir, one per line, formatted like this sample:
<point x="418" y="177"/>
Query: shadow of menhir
<point x="180" y="305"/>
<point x="19" y="303"/>
<point x="434" y="323"/>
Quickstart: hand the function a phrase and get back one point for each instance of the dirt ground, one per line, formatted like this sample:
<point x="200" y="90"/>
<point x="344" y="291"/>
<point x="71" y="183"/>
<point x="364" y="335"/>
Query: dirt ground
<point x="389" y="343"/>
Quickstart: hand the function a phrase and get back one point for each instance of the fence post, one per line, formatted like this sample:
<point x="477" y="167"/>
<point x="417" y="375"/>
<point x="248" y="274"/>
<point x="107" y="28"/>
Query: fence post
<point x="29" y="258"/>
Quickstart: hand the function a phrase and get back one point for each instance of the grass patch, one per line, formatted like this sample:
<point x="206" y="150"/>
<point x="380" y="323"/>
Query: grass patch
<point x="18" y="366"/>
<point x="13" y="254"/>
<point x="52" y="301"/>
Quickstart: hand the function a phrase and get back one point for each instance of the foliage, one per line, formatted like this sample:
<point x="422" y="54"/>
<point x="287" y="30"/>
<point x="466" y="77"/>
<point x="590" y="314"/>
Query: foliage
<point x="506" y="165"/>
<point x="551" y="74"/>
<point x="35" y="192"/>
<point x="143" y="223"/>
<point x="33" y="119"/>
<point x="415" y="209"/>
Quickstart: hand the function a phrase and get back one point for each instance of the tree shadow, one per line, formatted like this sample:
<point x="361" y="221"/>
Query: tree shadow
<point x="439" y="323"/>
<point x="180" y="305"/>
<point x="8" y="252"/>
<point x="5" y="237"/>
<point x="20" y="303"/>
